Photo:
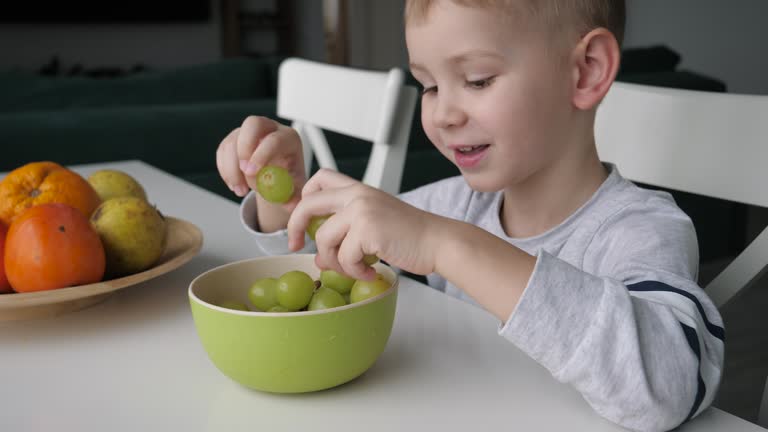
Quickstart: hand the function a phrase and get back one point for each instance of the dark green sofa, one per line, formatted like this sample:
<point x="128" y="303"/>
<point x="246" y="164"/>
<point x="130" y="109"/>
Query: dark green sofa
<point x="172" y="119"/>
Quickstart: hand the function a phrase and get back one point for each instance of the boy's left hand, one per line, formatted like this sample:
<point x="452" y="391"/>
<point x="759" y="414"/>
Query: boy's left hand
<point x="365" y="221"/>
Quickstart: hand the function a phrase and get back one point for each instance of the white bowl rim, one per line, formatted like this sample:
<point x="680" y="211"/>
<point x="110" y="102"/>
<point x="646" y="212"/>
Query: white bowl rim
<point x="392" y="288"/>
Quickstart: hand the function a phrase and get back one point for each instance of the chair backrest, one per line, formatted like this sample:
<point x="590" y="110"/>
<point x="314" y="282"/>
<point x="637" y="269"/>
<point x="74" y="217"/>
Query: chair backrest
<point x="710" y="144"/>
<point x="370" y="105"/>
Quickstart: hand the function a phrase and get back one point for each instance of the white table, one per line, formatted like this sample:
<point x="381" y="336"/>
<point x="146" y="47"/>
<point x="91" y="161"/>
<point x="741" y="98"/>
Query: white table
<point x="134" y="362"/>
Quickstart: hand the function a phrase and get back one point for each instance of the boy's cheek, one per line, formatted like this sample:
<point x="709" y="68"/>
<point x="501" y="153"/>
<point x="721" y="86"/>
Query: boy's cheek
<point x="425" y="121"/>
<point x="430" y="131"/>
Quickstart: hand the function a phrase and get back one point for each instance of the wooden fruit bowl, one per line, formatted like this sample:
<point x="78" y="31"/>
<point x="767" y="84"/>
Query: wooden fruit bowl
<point x="184" y="242"/>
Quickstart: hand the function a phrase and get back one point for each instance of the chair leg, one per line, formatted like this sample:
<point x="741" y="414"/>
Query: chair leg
<point x="762" y="416"/>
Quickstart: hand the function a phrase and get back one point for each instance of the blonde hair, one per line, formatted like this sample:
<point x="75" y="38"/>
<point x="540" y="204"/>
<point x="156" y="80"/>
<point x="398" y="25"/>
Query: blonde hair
<point x="581" y="16"/>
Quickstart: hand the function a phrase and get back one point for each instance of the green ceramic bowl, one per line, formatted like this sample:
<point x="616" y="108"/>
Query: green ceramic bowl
<point x="289" y="352"/>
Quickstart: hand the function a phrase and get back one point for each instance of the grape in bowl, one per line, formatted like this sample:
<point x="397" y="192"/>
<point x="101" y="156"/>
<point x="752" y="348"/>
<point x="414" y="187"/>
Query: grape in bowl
<point x="288" y="352"/>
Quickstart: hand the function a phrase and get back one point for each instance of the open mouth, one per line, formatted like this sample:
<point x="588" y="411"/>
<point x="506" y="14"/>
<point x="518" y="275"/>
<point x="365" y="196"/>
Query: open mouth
<point x="469" y="150"/>
<point x="469" y="156"/>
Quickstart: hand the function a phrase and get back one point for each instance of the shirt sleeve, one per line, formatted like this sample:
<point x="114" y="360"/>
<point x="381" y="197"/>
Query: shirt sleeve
<point x="628" y="328"/>
<point x="274" y="243"/>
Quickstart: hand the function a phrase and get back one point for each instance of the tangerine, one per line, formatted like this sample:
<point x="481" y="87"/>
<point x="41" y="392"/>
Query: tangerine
<point x="52" y="246"/>
<point x="44" y="182"/>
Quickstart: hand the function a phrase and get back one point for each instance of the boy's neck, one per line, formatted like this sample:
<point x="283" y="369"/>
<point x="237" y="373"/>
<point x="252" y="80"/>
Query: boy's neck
<point x="549" y="197"/>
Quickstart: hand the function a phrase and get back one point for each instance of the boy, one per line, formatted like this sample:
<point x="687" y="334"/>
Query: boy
<point x="588" y="274"/>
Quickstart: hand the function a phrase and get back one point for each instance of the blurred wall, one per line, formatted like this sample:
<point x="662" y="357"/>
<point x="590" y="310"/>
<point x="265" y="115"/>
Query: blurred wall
<point x="376" y="34"/>
<point x="720" y="39"/>
<point x="725" y="40"/>
<point x="29" y="46"/>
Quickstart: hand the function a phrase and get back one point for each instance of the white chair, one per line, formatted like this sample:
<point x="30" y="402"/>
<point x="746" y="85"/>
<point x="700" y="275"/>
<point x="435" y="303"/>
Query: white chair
<point x="370" y="105"/>
<point x="710" y="144"/>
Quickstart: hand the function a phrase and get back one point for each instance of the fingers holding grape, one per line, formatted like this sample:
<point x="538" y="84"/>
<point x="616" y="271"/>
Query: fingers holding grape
<point x="333" y="234"/>
<point x="252" y="132"/>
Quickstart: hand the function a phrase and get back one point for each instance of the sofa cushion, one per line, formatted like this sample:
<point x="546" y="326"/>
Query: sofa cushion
<point x="180" y="139"/>
<point x="656" y="58"/>
<point x="680" y="79"/>
<point x="233" y="79"/>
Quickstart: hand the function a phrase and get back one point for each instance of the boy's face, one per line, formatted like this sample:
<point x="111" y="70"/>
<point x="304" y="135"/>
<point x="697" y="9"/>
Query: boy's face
<point x="494" y="103"/>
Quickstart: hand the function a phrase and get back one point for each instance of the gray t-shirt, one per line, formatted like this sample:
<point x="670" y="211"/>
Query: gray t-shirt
<point x="612" y="306"/>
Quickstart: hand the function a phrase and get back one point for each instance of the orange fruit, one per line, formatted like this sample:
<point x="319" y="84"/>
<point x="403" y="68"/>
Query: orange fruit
<point x="52" y="246"/>
<point x="4" y="285"/>
<point x="44" y="182"/>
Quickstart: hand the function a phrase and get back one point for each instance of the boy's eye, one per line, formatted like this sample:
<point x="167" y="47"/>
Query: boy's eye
<point x="480" y="84"/>
<point x="426" y="90"/>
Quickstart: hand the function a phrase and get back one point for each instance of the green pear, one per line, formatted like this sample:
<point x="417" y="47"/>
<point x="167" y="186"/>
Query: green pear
<point x="112" y="184"/>
<point x="133" y="233"/>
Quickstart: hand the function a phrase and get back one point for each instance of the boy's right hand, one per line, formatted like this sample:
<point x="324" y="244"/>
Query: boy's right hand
<point x="260" y="141"/>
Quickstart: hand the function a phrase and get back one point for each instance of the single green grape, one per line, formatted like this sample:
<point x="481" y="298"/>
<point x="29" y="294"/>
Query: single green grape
<point x="365" y="289"/>
<point x="263" y="293"/>
<point x="370" y="260"/>
<point x="294" y="290"/>
<point x="314" y="225"/>
<point x="336" y="281"/>
<point x="326" y="298"/>
<point x="275" y="184"/>
<point x="277" y="308"/>
<point x="231" y="304"/>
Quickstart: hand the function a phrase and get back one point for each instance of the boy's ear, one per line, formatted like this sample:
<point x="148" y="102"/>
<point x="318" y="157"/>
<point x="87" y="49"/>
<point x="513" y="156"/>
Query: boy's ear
<point x="595" y="65"/>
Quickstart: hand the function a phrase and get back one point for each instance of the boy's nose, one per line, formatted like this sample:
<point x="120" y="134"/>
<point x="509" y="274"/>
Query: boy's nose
<point x="447" y="113"/>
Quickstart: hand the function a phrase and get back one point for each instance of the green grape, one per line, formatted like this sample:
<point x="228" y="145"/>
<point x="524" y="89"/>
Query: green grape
<point x="326" y="298"/>
<point x="263" y="293"/>
<point x="370" y="260"/>
<point x="294" y="290"/>
<point x="364" y="289"/>
<point x="314" y="225"/>
<point x="277" y="308"/>
<point x="231" y="304"/>
<point x="275" y="184"/>
<point x="336" y="281"/>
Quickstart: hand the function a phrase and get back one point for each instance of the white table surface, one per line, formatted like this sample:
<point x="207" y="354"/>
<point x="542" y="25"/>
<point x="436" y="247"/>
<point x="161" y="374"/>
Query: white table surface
<point x="134" y="362"/>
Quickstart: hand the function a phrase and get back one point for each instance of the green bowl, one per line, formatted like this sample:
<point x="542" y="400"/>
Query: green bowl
<point x="290" y="352"/>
